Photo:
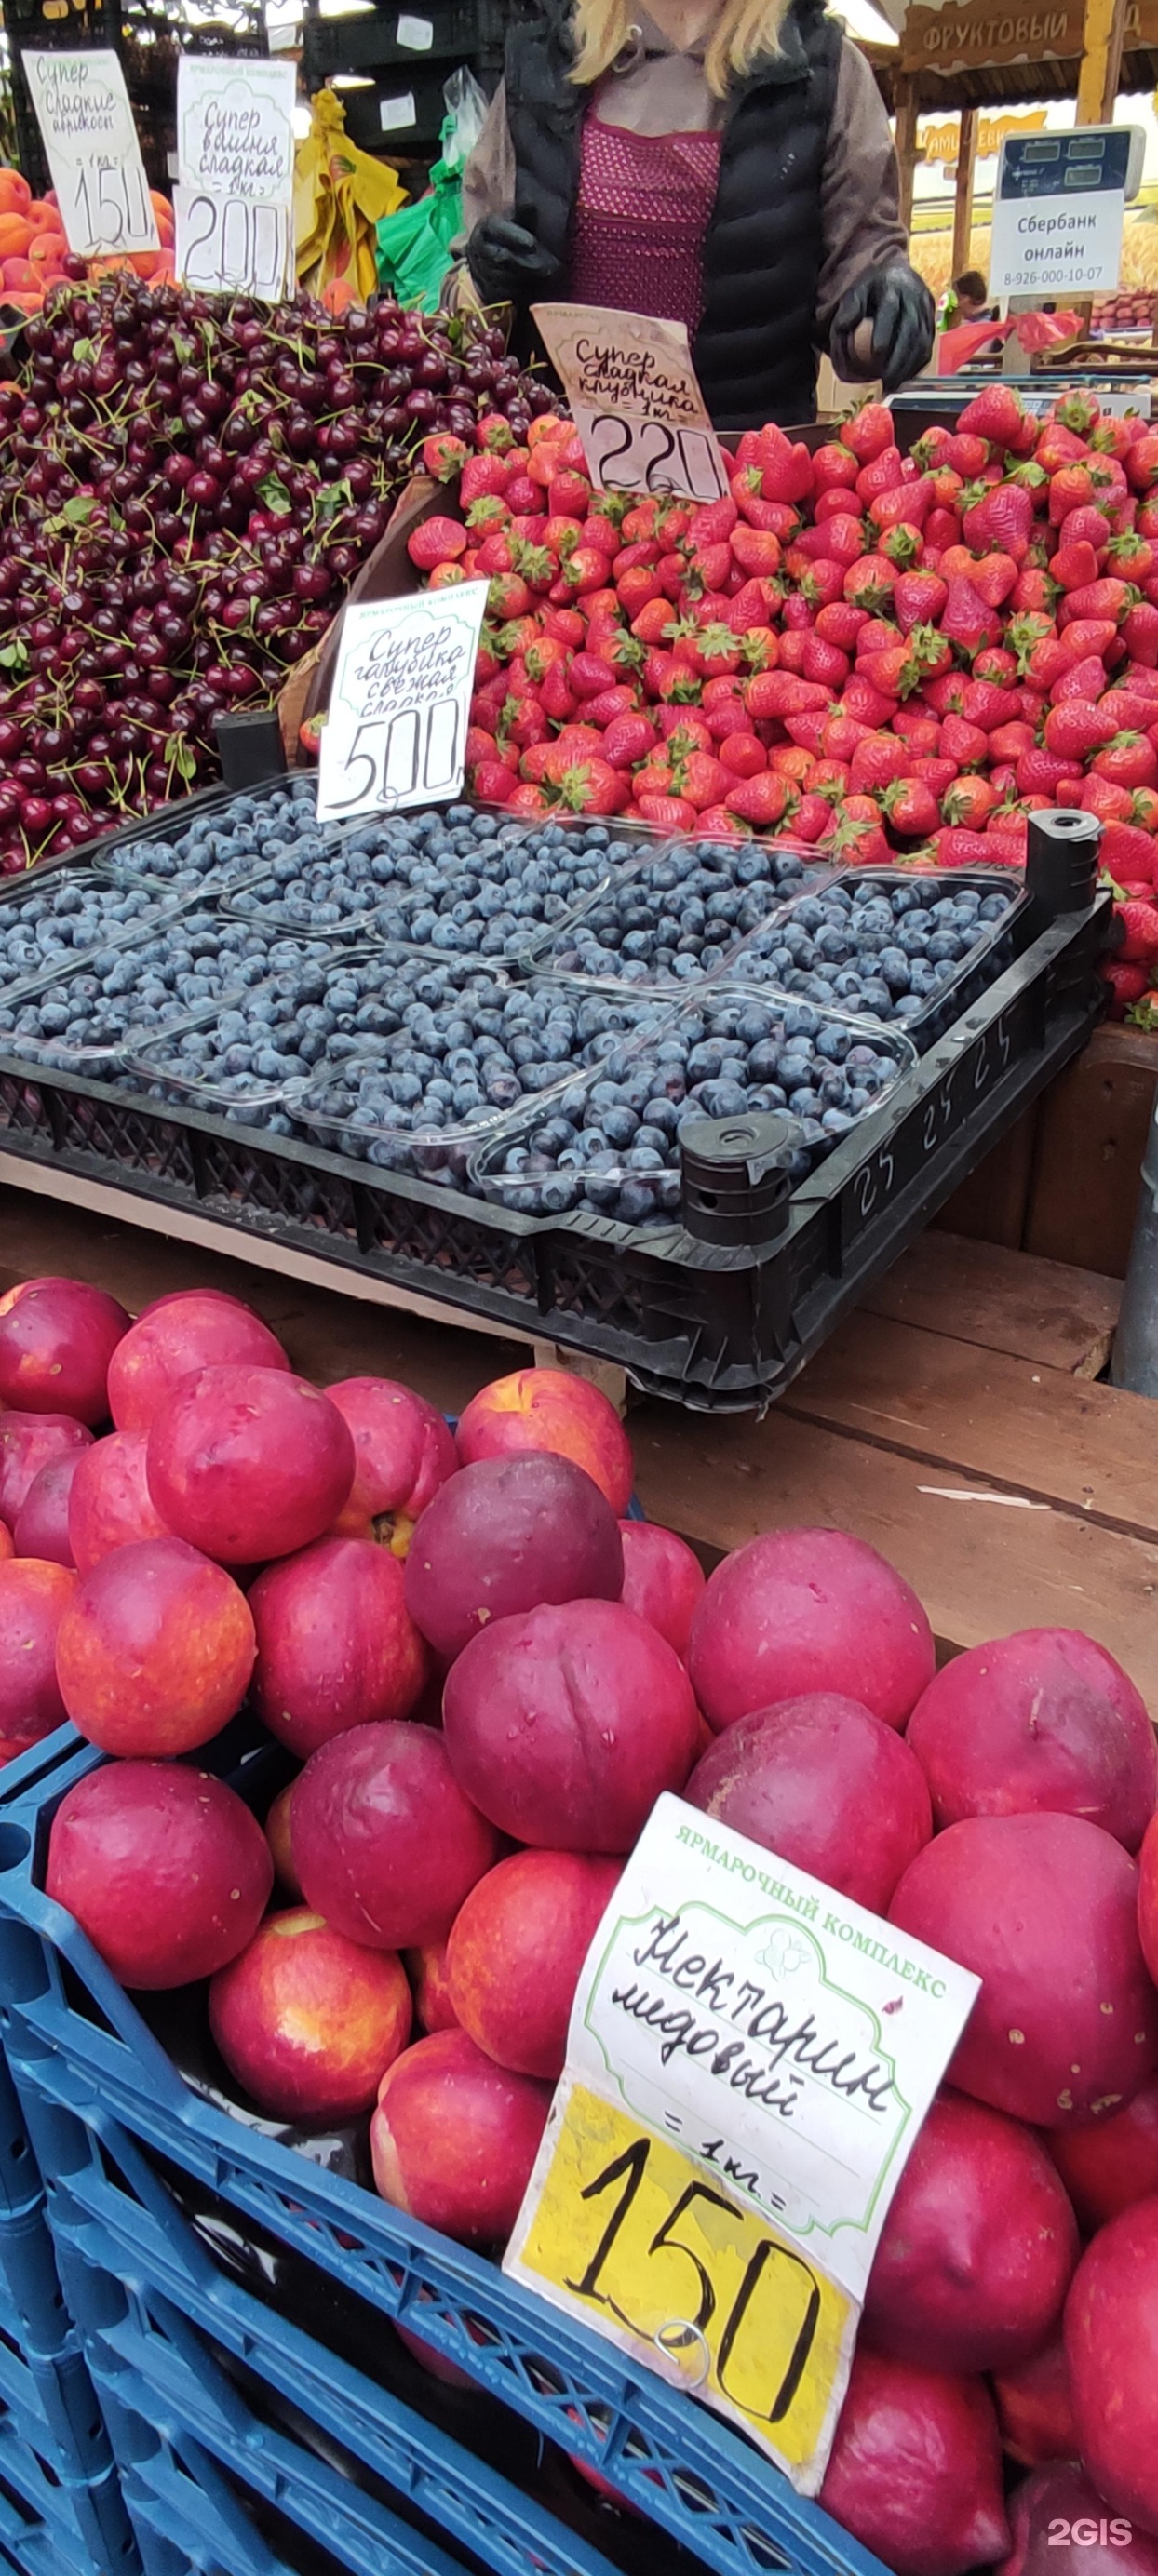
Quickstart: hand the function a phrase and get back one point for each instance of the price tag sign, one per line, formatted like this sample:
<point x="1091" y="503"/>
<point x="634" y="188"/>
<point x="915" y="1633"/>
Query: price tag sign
<point x="235" y="158"/>
<point x="633" y="395"/>
<point x="1058" y="211"/>
<point x="396" y="730"/>
<point x="82" y="109"/>
<point x="749" y="2062"/>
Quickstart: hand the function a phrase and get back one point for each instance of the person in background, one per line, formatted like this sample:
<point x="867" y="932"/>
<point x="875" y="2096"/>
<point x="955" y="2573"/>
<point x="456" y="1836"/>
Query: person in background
<point x="723" y="163"/>
<point x="964" y="301"/>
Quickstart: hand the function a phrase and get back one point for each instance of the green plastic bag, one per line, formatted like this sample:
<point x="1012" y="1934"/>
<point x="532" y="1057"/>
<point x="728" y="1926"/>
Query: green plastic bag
<point x="414" y="244"/>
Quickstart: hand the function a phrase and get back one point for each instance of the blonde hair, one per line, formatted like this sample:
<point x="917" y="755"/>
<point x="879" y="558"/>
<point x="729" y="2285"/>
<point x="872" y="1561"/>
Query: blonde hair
<point x="746" y="29"/>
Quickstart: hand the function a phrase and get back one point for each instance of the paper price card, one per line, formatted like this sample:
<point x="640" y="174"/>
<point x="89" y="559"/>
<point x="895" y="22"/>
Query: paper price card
<point x="395" y="734"/>
<point x="630" y="2231"/>
<point x="633" y="395"/>
<point x="754" y="2041"/>
<point x="235" y="158"/>
<point x="82" y="109"/>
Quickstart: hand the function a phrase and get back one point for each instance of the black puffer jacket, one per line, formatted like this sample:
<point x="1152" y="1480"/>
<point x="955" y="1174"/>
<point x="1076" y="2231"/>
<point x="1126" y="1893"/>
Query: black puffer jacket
<point x="765" y="243"/>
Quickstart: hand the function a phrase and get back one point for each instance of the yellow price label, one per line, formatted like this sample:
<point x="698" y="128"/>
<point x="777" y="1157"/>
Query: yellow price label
<point x="640" y="2239"/>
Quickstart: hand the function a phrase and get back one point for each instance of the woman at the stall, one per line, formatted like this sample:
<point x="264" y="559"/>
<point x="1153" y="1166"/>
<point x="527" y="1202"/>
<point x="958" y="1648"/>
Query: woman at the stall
<point x="724" y="163"/>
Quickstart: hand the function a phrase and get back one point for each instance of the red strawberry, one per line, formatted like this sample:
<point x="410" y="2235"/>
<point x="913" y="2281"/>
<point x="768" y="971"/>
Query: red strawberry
<point x="937" y="774"/>
<point x="786" y="470"/>
<point x="883" y="474"/>
<point x="762" y="801"/>
<point x="993" y="577"/>
<point x="911" y="808"/>
<point x="1000" y="522"/>
<point x="1127" y="854"/>
<point x="780" y="693"/>
<point x="967" y="619"/>
<point x="628" y="739"/>
<point x="492" y="782"/>
<point x="997" y="414"/>
<point x="742" y="755"/>
<point x="860" y="834"/>
<point x="1039" y="771"/>
<point x="1075" y="729"/>
<point x="965" y="743"/>
<point x="1131" y="999"/>
<point x="436" y="541"/>
<point x="822" y="586"/>
<point x="1111" y="804"/>
<point x="528" y="799"/>
<point x="902" y="544"/>
<point x="908" y="501"/>
<point x="1131" y="710"/>
<point x="840" y="622"/>
<point x="1138" y="932"/>
<point x="824" y="663"/>
<point x="482" y="477"/>
<point x="1106" y="597"/>
<point x="1009" y="741"/>
<point x="1085" y="679"/>
<point x="834" y="467"/>
<point x="1142" y="463"/>
<point x="611" y="704"/>
<point x="918" y="600"/>
<point x="942" y="528"/>
<point x="971" y="801"/>
<point x="1140" y="632"/>
<point x="1090" y="526"/>
<point x="1034" y="592"/>
<point x="867" y="704"/>
<point x="984" y="703"/>
<point x="957" y="847"/>
<point x="670" y="813"/>
<point x="839" y="540"/>
<point x="1128" y="760"/>
<point x="756" y="550"/>
<point x="877" y="761"/>
<point x="869" y="431"/>
<point x="811" y="819"/>
<point x="922" y="732"/>
<point x="790" y="760"/>
<point x="806" y="729"/>
<point x="870" y="583"/>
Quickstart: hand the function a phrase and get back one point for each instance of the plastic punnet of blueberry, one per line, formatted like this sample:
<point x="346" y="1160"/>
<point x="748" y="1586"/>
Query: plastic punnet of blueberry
<point x="888" y="948"/>
<point x="116" y="999"/>
<point x="65" y="916"/>
<point x="434" y="1052"/>
<point x="681" y="911"/>
<point x="608" y="1143"/>
<point x="218" y="848"/>
<point x="458" y="883"/>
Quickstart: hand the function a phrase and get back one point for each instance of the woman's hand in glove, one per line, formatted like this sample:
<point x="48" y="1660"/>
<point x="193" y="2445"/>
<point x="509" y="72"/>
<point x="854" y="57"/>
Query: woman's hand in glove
<point x="899" y="307"/>
<point x="507" y="264"/>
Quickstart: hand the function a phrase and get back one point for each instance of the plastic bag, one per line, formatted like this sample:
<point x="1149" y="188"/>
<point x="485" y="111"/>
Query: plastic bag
<point x="340" y="194"/>
<point x="466" y="109"/>
<point x="414" y="251"/>
<point x="414" y="245"/>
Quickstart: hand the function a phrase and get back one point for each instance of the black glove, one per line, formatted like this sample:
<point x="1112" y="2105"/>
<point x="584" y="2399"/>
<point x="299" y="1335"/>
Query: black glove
<point x="898" y="304"/>
<point x="506" y="263"/>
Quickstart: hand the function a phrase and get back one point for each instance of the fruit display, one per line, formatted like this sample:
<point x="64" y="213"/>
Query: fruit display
<point x="252" y="991"/>
<point x="898" y="657"/>
<point x="467" y="1675"/>
<point x="189" y="485"/>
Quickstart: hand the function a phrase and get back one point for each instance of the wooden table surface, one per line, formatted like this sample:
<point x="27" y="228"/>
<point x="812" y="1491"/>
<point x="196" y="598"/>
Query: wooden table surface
<point x="955" y="1421"/>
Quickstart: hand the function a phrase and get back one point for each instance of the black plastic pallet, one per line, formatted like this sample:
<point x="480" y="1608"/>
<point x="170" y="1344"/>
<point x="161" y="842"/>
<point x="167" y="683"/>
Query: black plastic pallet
<point x="714" y="1328"/>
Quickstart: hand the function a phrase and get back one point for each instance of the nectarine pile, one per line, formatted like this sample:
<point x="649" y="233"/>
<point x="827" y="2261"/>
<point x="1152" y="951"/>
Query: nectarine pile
<point x="475" y="1676"/>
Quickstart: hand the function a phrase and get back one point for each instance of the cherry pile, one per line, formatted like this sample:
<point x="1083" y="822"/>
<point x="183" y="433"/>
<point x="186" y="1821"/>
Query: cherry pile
<point x="188" y="484"/>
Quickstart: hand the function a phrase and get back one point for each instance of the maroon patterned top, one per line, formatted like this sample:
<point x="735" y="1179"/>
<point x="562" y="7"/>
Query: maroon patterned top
<point x="643" y="209"/>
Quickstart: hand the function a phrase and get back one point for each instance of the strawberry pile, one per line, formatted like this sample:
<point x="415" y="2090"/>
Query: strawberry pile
<point x="888" y="657"/>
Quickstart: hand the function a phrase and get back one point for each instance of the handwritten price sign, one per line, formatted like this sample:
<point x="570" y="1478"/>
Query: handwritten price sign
<point x="233" y="200"/>
<point x="627" y="2230"/>
<point x="635" y="401"/>
<point x="749" y="2062"/>
<point x="82" y="108"/>
<point x="396" y="730"/>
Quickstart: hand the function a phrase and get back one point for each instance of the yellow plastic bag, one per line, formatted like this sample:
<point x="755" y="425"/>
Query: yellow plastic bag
<point x="340" y="198"/>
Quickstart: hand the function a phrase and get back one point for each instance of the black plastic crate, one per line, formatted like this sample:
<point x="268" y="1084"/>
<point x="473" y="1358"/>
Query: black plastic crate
<point x="717" y="1327"/>
<point x="367" y="44"/>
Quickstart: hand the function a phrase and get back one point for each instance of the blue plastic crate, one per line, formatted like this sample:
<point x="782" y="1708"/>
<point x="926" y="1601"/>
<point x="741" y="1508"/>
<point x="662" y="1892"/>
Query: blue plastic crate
<point x="81" y="2043"/>
<point x="148" y="2295"/>
<point x="54" y="2528"/>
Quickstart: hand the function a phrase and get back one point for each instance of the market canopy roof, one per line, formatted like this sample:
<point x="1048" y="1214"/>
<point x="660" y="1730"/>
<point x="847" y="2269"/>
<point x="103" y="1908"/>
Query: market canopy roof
<point x="972" y="54"/>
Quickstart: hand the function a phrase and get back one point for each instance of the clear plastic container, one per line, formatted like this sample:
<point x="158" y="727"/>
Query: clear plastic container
<point x="457" y="884"/>
<point x="218" y="843"/>
<point x="49" y="922"/>
<point x="85" y="1017"/>
<point x="912" y="950"/>
<point x="417" y="1098"/>
<point x="680" y="911"/>
<point x="606" y="1143"/>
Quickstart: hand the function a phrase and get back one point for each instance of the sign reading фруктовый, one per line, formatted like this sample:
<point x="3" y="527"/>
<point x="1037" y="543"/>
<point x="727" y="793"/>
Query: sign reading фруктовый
<point x="749" y="2061"/>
